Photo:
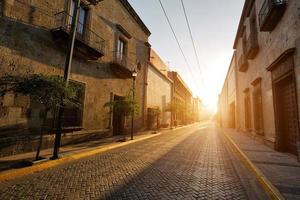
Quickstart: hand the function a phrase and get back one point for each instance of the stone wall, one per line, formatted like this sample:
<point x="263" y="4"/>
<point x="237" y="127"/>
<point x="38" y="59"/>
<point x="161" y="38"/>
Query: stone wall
<point x="271" y="46"/>
<point x="27" y="47"/>
<point x="228" y="96"/>
<point x="159" y="93"/>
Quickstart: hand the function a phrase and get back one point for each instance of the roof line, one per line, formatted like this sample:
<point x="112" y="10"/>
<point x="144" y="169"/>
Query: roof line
<point x="245" y="13"/>
<point x="157" y="70"/>
<point x="136" y="17"/>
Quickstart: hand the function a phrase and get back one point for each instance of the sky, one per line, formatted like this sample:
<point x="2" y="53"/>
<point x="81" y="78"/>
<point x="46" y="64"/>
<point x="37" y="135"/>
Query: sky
<point x="213" y="23"/>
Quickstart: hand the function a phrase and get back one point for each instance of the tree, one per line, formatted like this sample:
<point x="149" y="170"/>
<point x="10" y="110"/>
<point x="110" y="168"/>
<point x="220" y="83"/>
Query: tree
<point x="49" y="91"/>
<point x="125" y="106"/>
<point x="154" y="114"/>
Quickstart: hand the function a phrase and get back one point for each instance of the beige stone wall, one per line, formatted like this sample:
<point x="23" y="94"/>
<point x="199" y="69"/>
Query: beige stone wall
<point x="27" y="47"/>
<point x="158" y="62"/>
<point x="228" y="95"/>
<point x="159" y="93"/>
<point x="271" y="46"/>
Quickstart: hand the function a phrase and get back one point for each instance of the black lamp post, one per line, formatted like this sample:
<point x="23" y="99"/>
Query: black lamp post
<point x="134" y="75"/>
<point x="67" y="71"/>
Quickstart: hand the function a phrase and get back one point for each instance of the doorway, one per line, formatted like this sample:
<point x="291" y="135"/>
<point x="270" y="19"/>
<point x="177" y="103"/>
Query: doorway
<point x="286" y="115"/>
<point x="118" y="119"/>
<point x="232" y="115"/>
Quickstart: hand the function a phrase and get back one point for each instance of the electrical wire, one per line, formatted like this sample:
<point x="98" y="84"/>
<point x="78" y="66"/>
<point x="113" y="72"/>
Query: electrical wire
<point x="193" y="42"/>
<point x="176" y="38"/>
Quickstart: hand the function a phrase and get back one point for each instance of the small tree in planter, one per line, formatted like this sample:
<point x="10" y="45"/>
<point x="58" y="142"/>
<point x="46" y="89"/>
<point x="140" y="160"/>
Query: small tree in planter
<point x="175" y="108"/>
<point x="125" y="106"/>
<point x="49" y="91"/>
<point x="154" y="113"/>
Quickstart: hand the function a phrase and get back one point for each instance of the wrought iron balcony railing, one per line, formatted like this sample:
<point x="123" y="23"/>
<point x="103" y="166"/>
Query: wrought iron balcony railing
<point x="242" y="63"/>
<point x="121" y="65"/>
<point x="270" y="14"/>
<point x="252" y="47"/>
<point x="87" y="44"/>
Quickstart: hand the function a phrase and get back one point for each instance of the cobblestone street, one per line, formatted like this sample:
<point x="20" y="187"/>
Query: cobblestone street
<point x="189" y="163"/>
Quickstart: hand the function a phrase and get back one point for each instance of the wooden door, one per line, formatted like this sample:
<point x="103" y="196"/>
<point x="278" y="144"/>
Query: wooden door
<point x="286" y="115"/>
<point x="118" y="119"/>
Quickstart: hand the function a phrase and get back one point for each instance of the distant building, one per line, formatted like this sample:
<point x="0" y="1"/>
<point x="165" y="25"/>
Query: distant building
<point x="111" y="41"/>
<point x="159" y="92"/>
<point x="265" y="98"/>
<point x="197" y="109"/>
<point x="182" y="100"/>
<point x="227" y="98"/>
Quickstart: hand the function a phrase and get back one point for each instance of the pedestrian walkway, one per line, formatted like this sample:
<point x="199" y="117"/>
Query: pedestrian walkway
<point x="281" y="169"/>
<point x="25" y="159"/>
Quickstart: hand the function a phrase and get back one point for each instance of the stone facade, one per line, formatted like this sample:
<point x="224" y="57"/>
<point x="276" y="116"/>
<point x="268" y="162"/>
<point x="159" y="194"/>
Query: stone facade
<point x="197" y="109"/>
<point x="227" y="98"/>
<point x="159" y="90"/>
<point x="268" y="73"/>
<point x="28" y="46"/>
<point x="182" y="100"/>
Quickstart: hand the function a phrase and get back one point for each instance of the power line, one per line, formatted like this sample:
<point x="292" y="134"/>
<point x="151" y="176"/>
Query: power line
<point x="193" y="41"/>
<point x="176" y="38"/>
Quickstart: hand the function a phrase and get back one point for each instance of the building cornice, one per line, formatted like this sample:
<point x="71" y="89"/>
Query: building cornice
<point x="245" y="13"/>
<point x="136" y="17"/>
<point x="281" y="58"/>
<point x="177" y="76"/>
<point x="158" y="71"/>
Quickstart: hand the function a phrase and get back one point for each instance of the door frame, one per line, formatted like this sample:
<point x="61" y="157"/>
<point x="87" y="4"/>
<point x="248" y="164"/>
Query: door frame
<point x="278" y="73"/>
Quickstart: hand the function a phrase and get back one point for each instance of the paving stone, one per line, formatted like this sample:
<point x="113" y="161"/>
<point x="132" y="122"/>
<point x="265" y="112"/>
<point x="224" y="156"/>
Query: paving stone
<point x="183" y="164"/>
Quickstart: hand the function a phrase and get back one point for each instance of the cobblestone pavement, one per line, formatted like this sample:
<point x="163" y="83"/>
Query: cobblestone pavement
<point x="190" y="163"/>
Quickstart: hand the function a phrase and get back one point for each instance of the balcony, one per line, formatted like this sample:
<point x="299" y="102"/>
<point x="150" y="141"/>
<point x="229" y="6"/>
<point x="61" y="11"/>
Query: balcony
<point x="88" y="45"/>
<point x="242" y="63"/>
<point x="251" y="45"/>
<point x="270" y="14"/>
<point x="121" y="65"/>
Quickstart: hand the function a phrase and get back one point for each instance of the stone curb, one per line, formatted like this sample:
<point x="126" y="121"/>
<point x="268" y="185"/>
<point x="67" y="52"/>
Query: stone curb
<point x="17" y="173"/>
<point x="269" y="188"/>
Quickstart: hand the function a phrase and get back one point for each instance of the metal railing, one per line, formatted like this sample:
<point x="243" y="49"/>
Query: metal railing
<point x="252" y="42"/>
<point x="63" y="21"/>
<point x="266" y="8"/>
<point x="242" y="63"/>
<point x="122" y="59"/>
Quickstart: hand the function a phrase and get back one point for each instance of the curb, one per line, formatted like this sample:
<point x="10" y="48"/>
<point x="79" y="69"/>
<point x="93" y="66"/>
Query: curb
<point x="17" y="173"/>
<point x="269" y="188"/>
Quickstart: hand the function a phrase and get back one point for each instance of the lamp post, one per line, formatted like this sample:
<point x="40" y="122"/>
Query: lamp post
<point x="134" y="75"/>
<point x="67" y="71"/>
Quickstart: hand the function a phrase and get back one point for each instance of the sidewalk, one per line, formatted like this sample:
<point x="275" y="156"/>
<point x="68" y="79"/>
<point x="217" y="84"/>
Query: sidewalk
<point x="21" y="160"/>
<point x="281" y="169"/>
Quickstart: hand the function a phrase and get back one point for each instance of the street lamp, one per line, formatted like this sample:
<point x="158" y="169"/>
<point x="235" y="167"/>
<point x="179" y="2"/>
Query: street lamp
<point x="134" y="75"/>
<point x="67" y="71"/>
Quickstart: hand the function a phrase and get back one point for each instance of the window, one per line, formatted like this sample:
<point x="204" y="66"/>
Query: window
<point x="73" y="116"/>
<point x="121" y="49"/>
<point x="247" y="110"/>
<point x="257" y="107"/>
<point x="81" y="18"/>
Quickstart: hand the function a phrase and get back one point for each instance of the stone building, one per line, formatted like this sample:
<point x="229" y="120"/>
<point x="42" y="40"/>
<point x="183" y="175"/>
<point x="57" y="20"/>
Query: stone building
<point x="267" y="61"/>
<point x="182" y="100"/>
<point x="227" y="98"/>
<point x="111" y="41"/>
<point x="197" y="109"/>
<point x="159" y="92"/>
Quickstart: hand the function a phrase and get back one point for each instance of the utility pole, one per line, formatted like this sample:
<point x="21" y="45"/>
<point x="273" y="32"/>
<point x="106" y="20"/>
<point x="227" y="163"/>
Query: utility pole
<point x="67" y="71"/>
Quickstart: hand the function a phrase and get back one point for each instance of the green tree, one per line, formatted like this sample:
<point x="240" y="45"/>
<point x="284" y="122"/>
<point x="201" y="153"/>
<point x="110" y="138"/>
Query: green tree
<point x="125" y="106"/>
<point x="49" y="91"/>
